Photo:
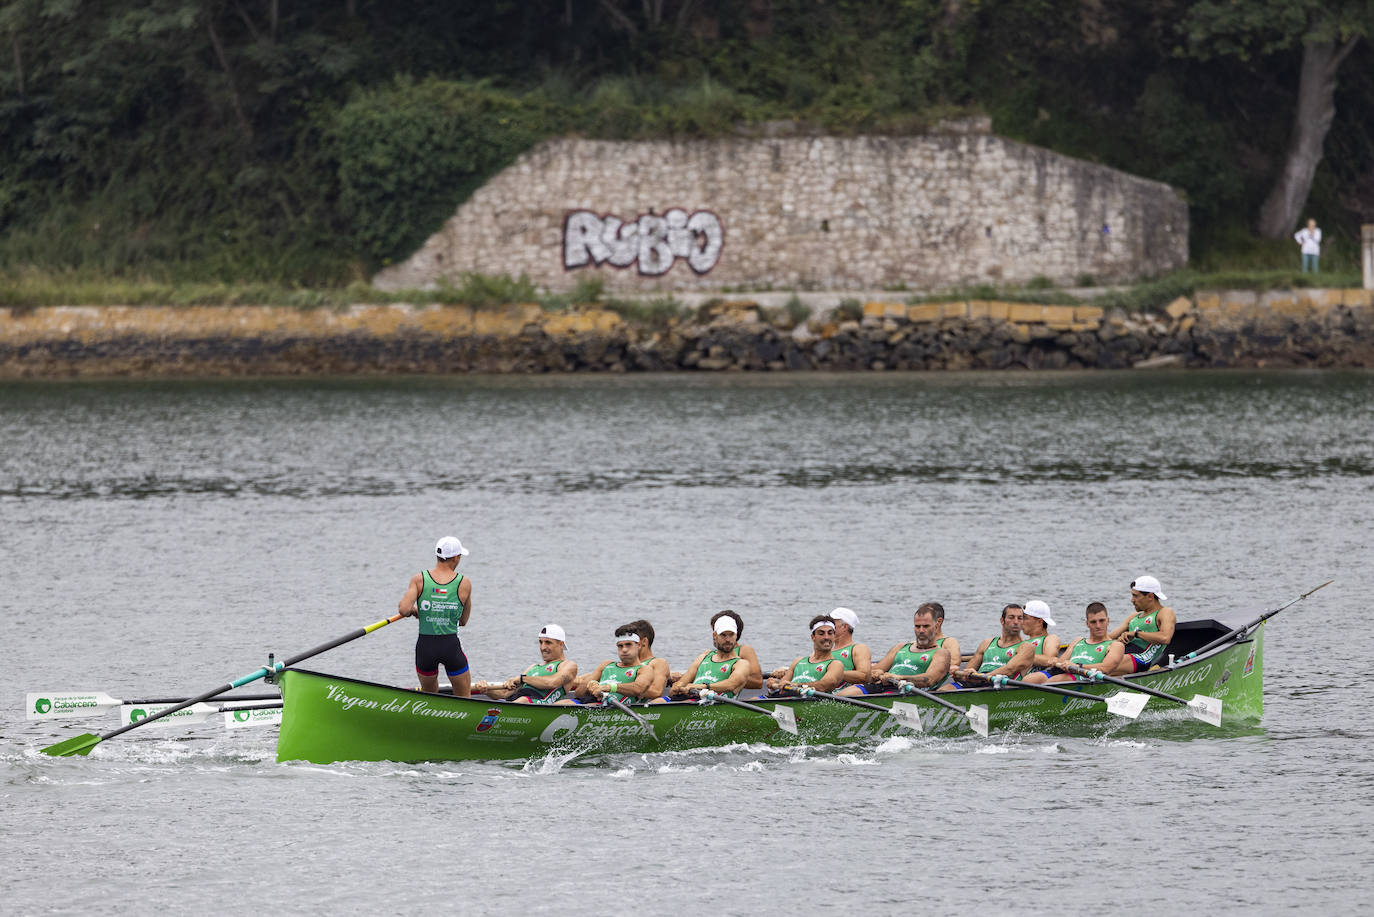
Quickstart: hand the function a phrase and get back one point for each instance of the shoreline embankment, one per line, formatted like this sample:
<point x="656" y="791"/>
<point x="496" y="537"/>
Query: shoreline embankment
<point x="1218" y="329"/>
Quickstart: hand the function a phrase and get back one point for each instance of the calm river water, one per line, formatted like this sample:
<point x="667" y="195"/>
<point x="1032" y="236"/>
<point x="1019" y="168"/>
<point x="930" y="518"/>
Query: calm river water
<point x="161" y="538"/>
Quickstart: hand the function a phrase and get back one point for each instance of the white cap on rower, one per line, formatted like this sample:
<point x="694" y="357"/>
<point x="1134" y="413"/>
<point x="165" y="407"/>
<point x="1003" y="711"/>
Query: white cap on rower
<point x="554" y="632"/>
<point x="847" y="616"/>
<point x="1038" y="609"/>
<point x="1149" y="584"/>
<point x="449" y="546"/>
<point x="726" y="624"/>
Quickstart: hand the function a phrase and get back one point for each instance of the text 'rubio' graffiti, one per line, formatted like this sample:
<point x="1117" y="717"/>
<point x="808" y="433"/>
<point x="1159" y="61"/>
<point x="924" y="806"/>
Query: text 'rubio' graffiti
<point x="652" y="242"/>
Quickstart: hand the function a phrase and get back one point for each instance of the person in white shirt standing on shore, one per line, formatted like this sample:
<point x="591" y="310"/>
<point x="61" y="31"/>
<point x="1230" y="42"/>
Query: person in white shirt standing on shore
<point x="1310" y="238"/>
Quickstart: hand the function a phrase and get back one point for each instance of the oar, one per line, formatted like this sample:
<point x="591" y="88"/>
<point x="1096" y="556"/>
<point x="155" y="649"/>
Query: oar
<point x="61" y="705"/>
<point x="906" y="714"/>
<point x="1202" y="707"/>
<point x="82" y="744"/>
<point x="625" y="708"/>
<point x="1121" y="703"/>
<point x="977" y="713"/>
<point x="1244" y="627"/>
<point x="196" y="713"/>
<point x="783" y="716"/>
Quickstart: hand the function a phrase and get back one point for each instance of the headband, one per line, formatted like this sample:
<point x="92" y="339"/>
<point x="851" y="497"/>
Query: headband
<point x="627" y="638"/>
<point x="820" y="624"/>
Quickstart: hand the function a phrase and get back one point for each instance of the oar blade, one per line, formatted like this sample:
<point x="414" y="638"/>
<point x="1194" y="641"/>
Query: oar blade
<point x="65" y="705"/>
<point x="135" y="713"/>
<point x="78" y="745"/>
<point x="1127" y="703"/>
<point x="908" y="714"/>
<point x="978" y="718"/>
<point x="238" y="719"/>
<point x="786" y="719"/>
<point x="1207" y="709"/>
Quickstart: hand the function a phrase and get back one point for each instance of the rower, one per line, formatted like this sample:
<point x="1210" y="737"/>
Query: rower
<point x="944" y="642"/>
<point x="1006" y="654"/>
<point x="722" y="669"/>
<point x="657" y="664"/>
<point x="546" y="682"/>
<point x="442" y="599"/>
<point x="1147" y="633"/>
<point x="625" y="679"/>
<point x="745" y="651"/>
<point x="922" y="663"/>
<point x="1097" y="651"/>
<point x="855" y="657"/>
<point x="820" y="670"/>
<point x="1036" y="624"/>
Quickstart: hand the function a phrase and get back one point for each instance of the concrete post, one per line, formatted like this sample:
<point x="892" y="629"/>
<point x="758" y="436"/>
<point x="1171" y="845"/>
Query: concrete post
<point x="1367" y="250"/>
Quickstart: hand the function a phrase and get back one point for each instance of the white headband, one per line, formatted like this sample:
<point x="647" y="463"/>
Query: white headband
<point x="726" y="625"/>
<point x="820" y="624"/>
<point x="627" y="638"/>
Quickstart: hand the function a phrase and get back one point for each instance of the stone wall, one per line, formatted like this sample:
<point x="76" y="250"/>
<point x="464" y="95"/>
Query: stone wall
<point x="809" y="213"/>
<point x="1214" y="329"/>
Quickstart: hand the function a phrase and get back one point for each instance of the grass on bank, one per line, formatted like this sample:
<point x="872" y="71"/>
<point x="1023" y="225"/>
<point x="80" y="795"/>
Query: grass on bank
<point x="32" y="289"/>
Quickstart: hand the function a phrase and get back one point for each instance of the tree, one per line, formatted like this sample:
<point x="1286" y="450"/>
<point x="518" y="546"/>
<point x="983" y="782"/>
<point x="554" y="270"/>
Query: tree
<point x="1327" y="31"/>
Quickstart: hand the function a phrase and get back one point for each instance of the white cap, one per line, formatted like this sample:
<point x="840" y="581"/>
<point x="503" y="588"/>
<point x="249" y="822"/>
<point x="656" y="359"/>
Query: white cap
<point x="1149" y="584"/>
<point x="1038" y="609"/>
<point x="449" y="546"/>
<point x="847" y="616"/>
<point x="726" y="624"/>
<point x="554" y="632"/>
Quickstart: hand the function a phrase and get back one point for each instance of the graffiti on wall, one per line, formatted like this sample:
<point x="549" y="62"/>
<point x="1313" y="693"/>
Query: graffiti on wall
<point x="651" y="242"/>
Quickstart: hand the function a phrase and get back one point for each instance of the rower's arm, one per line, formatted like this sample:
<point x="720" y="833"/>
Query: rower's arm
<point x="951" y="646"/>
<point x="407" y="604"/>
<point x="555" y="680"/>
<point x="776" y="681"/>
<point x="465" y="596"/>
<point x="755" y="670"/>
<point x="977" y="659"/>
<point x="863" y="666"/>
<point x="659" y="684"/>
<point x="580" y="686"/>
<point x="1051" y="654"/>
<point x="833" y="678"/>
<point x="1116" y="650"/>
<point x="933" y="675"/>
<point x="680" y="686"/>
<point x="1017" y="664"/>
<point x="641" y="686"/>
<point x="882" y="665"/>
<point x="739" y="677"/>
<point x="1167" y="623"/>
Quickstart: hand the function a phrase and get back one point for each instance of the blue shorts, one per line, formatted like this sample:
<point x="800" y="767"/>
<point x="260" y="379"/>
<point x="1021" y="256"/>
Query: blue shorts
<point x="433" y="649"/>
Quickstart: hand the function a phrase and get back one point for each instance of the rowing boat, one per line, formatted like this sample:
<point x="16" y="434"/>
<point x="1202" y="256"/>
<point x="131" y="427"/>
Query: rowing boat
<point x="329" y="718"/>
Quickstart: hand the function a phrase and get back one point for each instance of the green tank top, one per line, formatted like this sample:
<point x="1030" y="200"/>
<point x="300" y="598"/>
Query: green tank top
<point x="806" y="672"/>
<point x="710" y="671"/>
<point x="1085" y="653"/>
<point x="616" y="674"/>
<point x="913" y="661"/>
<point x="994" y="657"/>
<point x="439" y="606"/>
<point x="542" y="669"/>
<point x="1145" y="652"/>
<point x="846" y="657"/>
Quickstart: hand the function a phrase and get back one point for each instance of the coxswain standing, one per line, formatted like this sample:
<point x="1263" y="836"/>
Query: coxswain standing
<point x="441" y="598"/>
<point x="1149" y="630"/>
<point x="820" y="671"/>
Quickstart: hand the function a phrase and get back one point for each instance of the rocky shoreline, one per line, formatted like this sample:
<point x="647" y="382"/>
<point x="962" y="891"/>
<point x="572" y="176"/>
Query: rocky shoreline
<point x="1307" y="328"/>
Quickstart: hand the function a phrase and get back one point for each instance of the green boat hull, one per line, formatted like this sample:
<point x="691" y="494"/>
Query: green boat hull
<point x="329" y="718"/>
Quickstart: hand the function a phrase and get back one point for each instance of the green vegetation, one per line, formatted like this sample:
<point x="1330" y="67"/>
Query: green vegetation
<point x="166" y="150"/>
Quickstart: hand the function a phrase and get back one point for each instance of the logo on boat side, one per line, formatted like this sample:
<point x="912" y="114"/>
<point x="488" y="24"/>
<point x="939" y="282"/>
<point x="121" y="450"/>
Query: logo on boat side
<point x="43" y="705"/>
<point x="1249" y="663"/>
<point x="488" y="721"/>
